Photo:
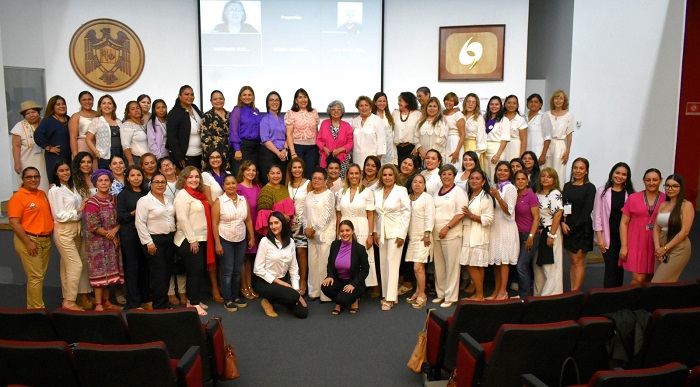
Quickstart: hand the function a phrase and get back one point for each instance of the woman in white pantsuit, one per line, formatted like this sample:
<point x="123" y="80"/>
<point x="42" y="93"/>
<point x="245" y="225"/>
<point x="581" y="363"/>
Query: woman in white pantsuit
<point x="548" y="268"/>
<point x="497" y="135"/>
<point x="447" y="233"/>
<point x="319" y="228"/>
<point x="393" y="210"/>
<point x="563" y="126"/>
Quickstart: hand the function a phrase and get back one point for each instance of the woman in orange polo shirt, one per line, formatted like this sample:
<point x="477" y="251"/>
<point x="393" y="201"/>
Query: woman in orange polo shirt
<point x="30" y="217"/>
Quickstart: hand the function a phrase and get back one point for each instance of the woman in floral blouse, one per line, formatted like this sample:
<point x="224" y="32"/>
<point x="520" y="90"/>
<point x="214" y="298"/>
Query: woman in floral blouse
<point x="215" y="129"/>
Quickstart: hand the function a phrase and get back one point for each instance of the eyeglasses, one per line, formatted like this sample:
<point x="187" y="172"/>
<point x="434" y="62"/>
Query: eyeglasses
<point x="675" y="186"/>
<point x="214" y="157"/>
<point x="32" y="177"/>
<point x="158" y="183"/>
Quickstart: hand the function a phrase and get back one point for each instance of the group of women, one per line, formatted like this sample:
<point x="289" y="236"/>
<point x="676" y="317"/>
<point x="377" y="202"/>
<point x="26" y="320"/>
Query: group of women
<point x="304" y="216"/>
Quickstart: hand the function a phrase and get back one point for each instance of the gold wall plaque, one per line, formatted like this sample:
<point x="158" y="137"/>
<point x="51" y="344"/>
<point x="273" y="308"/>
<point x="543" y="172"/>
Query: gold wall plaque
<point x="470" y="53"/>
<point x="106" y="54"/>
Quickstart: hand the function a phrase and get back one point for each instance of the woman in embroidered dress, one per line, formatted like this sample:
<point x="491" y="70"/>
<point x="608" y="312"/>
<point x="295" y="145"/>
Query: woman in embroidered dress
<point x="563" y="126"/>
<point x="25" y="152"/>
<point x="504" y="245"/>
<point x="432" y="129"/>
<point x="102" y="242"/>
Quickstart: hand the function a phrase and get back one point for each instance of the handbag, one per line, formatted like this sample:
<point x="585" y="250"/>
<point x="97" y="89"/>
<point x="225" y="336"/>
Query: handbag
<point x="418" y="356"/>
<point x="230" y="359"/>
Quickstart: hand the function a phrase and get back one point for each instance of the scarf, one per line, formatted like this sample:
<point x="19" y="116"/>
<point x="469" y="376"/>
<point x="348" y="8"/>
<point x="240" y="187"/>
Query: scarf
<point x="502" y="184"/>
<point x="490" y="124"/>
<point x="211" y="258"/>
<point x="219" y="178"/>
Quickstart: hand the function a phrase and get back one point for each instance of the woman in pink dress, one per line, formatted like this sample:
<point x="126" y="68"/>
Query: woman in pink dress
<point x="636" y="228"/>
<point x="249" y="187"/>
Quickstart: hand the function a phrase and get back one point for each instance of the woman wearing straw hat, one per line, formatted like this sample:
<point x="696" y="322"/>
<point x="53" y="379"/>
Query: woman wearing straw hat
<point x="24" y="151"/>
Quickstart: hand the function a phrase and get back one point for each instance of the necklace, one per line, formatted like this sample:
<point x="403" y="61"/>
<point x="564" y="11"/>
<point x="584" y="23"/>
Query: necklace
<point x="404" y="119"/>
<point x="64" y="122"/>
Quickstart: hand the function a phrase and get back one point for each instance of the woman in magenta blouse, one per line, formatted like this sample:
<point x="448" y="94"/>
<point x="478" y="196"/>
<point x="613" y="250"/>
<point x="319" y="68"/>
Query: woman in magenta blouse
<point x="335" y="137"/>
<point x="244" y="129"/>
<point x="302" y="128"/>
<point x="249" y="187"/>
<point x="527" y="217"/>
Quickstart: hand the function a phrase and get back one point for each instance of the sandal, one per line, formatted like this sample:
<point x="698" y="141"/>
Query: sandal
<point x="252" y="293"/>
<point x="387" y="305"/>
<point x="99" y="308"/>
<point x="109" y="306"/>
<point x="403" y="290"/>
<point x="173" y="300"/>
<point x="411" y="299"/>
<point x="356" y="308"/>
<point x="420" y="302"/>
<point x="74" y="307"/>
<point x="336" y="311"/>
<point x="200" y="310"/>
<point x="246" y="294"/>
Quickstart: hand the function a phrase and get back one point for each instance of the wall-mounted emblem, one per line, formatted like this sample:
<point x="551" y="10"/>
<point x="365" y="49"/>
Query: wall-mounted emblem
<point x="471" y="53"/>
<point x="106" y="54"/>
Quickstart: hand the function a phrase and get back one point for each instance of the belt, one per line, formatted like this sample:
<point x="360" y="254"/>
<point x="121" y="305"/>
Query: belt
<point x="405" y="144"/>
<point x="38" y="236"/>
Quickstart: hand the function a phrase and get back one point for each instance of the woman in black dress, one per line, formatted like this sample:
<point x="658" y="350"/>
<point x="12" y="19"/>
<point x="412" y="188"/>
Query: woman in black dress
<point x="577" y="225"/>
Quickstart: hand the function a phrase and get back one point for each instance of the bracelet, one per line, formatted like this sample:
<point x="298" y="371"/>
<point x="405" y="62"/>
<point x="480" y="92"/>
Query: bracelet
<point x="448" y="226"/>
<point x="552" y="236"/>
<point x="530" y="235"/>
<point x="666" y="248"/>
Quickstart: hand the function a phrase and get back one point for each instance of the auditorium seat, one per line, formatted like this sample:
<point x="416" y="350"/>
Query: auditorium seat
<point x="136" y="365"/>
<point x="669" y="375"/>
<point x="179" y="329"/>
<point x="36" y="364"/>
<point x="107" y="327"/>
<point x="538" y="349"/>
<point x="481" y="319"/>
<point x="672" y="335"/>
<point x="600" y="301"/>
<point x="590" y="353"/>
<point x="26" y="325"/>
<point x="558" y="307"/>
<point x="671" y="295"/>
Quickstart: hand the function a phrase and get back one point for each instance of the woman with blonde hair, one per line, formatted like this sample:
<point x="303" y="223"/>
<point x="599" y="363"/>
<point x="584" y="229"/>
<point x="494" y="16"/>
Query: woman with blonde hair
<point x="563" y="126"/>
<point x="456" y="124"/>
<point x="474" y="126"/>
<point x="432" y="129"/>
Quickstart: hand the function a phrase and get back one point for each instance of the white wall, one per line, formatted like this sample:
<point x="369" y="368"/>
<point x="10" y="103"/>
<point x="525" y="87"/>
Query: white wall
<point x="625" y="83"/>
<point x="6" y="173"/>
<point x="411" y="31"/>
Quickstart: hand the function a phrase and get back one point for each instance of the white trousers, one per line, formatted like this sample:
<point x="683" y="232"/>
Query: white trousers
<point x="447" y="253"/>
<point x="318" y="262"/>
<point x="556" y="150"/>
<point x="389" y="264"/>
<point x="549" y="279"/>
<point x="491" y="150"/>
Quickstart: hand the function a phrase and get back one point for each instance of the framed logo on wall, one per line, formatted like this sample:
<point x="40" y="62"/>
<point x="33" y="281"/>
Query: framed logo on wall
<point x="106" y="54"/>
<point x="471" y="53"/>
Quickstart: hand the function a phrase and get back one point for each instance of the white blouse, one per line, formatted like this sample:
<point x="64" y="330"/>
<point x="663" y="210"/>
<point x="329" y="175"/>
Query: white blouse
<point x="368" y="139"/>
<point x="274" y="261"/>
<point x="103" y="135"/>
<point x="539" y="130"/>
<point x="517" y="124"/>
<point x="134" y="137"/>
<point x="154" y="218"/>
<point x="432" y="137"/>
<point x="319" y="213"/>
<point x="452" y="121"/>
<point x="209" y="180"/>
<point x="476" y="128"/>
<point x="405" y="130"/>
<point x="432" y="180"/>
<point x="482" y="206"/>
<point x="64" y="204"/>
<point x="232" y="217"/>
<point x="446" y="207"/>
<point x="191" y="220"/>
<point x="561" y="126"/>
<point x="422" y="216"/>
<point x="500" y="131"/>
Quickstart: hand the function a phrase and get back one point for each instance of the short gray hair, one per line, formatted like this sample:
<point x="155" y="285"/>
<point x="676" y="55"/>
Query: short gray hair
<point x="335" y="103"/>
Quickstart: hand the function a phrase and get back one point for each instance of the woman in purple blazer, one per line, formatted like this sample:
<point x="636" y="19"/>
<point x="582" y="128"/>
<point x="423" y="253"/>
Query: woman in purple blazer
<point x="607" y="214"/>
<point x="335" y="137"/>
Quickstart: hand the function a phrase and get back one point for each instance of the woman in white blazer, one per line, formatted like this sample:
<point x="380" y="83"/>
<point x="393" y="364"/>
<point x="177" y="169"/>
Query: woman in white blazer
<point x="480" y="214"/>
<point x="393" y="209"/>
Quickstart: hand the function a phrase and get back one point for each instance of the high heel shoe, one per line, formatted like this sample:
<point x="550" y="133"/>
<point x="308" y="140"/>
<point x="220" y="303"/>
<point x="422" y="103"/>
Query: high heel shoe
<point x="412" y="299"/>
<point x="356" y="308"/>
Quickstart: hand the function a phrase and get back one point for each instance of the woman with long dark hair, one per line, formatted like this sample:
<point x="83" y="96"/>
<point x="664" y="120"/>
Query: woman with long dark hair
<point x="249" y="187"/>
<point x="607" y="215"/>
<point x="215" y="131"/>
<point x="80" y="122"/>
<point x="527" y="217"/>
<point x="273" y="137"/>
<point x="497" y="135"/>
<point x="52" y="133"/>
<point x="406" y="119"/>
<point x="577" y="225"/>
<point x="157" y="130"/>
<point x="380" y="107"/>
<point x="532" y="168"/>
<point x="274" y="263"/>
<point x="504" y="244"/>
<point x="518" y="128"/>
<point x="671" y="230"/>
<point x="133" y="134"/>
<point x="302" y="128"/>
<point x="480" y="212"/>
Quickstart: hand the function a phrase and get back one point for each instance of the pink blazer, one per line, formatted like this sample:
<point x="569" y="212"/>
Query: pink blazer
<point x="325" y="139"/>
<point x="601" y="214"/>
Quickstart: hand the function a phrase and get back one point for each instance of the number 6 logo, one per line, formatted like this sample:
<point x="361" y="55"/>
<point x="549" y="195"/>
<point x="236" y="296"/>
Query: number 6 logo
<point x="470" y="53"/>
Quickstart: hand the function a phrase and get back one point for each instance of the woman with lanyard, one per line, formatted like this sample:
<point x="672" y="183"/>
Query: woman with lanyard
<point x="184" y="122"/>
<point x="155" y="224"/>
<point x="637" y="226"/>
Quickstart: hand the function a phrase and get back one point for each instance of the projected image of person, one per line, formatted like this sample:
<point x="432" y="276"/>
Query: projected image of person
<point x="234" y="19"/>
<point x="349" y="21"/>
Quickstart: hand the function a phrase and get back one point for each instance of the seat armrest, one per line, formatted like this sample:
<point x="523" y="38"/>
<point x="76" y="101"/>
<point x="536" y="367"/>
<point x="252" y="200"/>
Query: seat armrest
<point x="530" y="380"/>
<point x="470" y="361"/>
<point x="440" y="316"/>
<point x="189" y="368"/>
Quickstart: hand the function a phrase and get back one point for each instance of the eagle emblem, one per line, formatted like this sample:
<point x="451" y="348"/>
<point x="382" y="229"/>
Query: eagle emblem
<point x="107" y="54"/>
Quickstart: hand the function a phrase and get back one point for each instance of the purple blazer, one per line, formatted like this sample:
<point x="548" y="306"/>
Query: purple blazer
<point x="156" y="139"/>
<point x="325" y="139"/>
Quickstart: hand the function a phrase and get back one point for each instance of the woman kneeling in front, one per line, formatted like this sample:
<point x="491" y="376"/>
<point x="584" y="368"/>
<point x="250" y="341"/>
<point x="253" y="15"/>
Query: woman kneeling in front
<point x="348" y="267"/>
<point x="275" y="259"/>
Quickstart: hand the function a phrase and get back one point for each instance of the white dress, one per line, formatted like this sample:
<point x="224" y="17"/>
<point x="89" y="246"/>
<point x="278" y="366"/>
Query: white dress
<point x="31" y="154"/>
<point x="432" y="181"/>
<point x="356" y="212"/>
<point x="512" y="151"/>
<point x="504" y="245"/>
<point x="422" y="220"/>
<point x="430" y="136"/>
<point x="453" y="138"/>
<point x="561" y="127"/>
<point x="539" y="130"/>
<point x="500" y="132"/>
<point x="475" y="237"/>
<point x="390" y="157"/>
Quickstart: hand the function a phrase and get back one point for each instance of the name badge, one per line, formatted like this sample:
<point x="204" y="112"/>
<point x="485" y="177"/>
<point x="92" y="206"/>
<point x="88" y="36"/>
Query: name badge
<point x="567" y="209"/>
<point x="649" y="227"/>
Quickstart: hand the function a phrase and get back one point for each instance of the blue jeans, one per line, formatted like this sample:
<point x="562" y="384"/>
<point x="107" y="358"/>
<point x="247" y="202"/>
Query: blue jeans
<point x="525" y="264"/>
<point x="230" y="268"/>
